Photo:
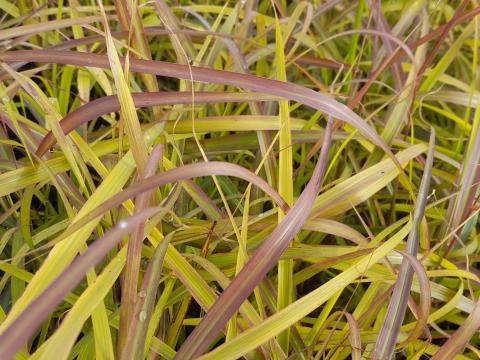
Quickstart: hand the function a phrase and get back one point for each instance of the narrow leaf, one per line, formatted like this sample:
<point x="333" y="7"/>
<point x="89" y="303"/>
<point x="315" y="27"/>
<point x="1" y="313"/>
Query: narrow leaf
<point x="385" y="345"/>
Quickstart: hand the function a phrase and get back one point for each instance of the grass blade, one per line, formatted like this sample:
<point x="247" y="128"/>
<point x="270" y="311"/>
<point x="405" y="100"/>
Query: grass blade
<point x="135" y="345"/>
<point x="230" y="98"/>
<point x="134" y="254"/>
<point x="285" y="181"/>
<point x="108" y="104"/>
<point x="129" y="116"/>
<point x="387" y="338"/>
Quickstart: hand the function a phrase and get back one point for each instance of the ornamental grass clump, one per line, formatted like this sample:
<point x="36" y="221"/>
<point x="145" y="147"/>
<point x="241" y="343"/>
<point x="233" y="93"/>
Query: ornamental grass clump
<point x="261" y="179"/>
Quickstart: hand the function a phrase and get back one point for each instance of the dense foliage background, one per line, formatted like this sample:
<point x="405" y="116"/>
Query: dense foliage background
<point x="259" y="179"/>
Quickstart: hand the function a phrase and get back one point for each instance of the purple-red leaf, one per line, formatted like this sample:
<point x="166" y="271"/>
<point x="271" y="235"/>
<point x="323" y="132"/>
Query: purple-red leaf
<point x="178" y="174"/>
<point x="260" y="263"/>
<point x="285" y="90"/>
<point x="108" y="104"/>
<point x="134" y="251"/>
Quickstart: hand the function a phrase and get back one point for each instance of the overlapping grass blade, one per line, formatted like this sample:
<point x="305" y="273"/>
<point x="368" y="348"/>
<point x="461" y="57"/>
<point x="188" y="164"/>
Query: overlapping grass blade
<point x="286" y="90"/>
<point x="134" y="253"/>
<point x="285" y="318"/>
<point x="108" y="104"/>
<point x="24" y="326"/>
<point x="399" y="67"/>
<point x="460" y="338"/>
<point x="258" y="265"/>
<point x="387" y="338"/>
